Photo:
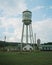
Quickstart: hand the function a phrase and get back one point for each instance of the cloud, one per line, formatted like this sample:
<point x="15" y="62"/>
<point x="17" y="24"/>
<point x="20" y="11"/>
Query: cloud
<point x="37" y="8"/>
<point x="43" y="29"/>
<point x="12" y="7"/>
<point x="50" y="7"/>
<point x="12" y="28"/>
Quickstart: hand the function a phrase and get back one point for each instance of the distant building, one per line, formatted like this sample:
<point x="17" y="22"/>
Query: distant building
<point x="14" y="46"/>
<point x="45" y="47"/>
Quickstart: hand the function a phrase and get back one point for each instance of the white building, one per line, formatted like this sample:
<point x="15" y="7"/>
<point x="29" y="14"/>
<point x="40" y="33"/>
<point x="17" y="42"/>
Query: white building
<point x="27" y="48"/>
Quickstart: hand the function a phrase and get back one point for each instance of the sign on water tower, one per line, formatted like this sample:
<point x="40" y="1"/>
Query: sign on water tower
<point x="27" y="15"/>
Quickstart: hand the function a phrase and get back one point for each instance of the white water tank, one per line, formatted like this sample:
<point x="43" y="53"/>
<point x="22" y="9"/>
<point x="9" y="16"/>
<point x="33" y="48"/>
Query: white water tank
<point x="27" y="15"/>
<point x="38" y="42"/>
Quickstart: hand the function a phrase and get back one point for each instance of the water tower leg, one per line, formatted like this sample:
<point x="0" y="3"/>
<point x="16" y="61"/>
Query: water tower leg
<point x="30" y="34"/>
<point x="22" y="38"/>
<point x="27" y="34"/>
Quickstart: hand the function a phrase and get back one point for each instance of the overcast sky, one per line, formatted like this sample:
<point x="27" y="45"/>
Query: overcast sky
<point x="11" y="19"/>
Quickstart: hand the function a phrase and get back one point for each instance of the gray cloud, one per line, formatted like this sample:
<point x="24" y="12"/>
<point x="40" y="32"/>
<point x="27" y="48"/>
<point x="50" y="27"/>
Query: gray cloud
<point x="43" y="29"/>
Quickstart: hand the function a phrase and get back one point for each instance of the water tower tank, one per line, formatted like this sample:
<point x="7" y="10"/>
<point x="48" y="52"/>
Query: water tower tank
<point x="27" y="15"/>
<point x="38" y="41"/>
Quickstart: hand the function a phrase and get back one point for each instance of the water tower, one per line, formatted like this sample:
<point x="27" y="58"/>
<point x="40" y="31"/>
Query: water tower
<point x="27" y="26"/>
<point x="38" y="43"/>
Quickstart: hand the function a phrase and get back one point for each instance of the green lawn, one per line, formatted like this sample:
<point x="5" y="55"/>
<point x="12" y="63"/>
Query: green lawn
<point x="26" y="58"/>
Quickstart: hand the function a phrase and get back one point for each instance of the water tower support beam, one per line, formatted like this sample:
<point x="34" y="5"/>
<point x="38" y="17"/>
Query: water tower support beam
<point x="22" y="37"/>
<point x="30" y="34"/>
<point x="27" y="34"/>
<point x="32" y="37"/>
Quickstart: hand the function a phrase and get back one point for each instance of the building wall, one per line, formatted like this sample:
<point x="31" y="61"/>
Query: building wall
<point x="46" y="47"/>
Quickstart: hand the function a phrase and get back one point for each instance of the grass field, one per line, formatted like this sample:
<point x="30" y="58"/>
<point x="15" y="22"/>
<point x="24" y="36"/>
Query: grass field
<point x="26" y="58"/>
